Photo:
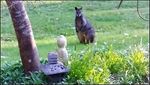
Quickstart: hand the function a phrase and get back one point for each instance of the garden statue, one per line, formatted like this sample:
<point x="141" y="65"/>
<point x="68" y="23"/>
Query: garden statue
<point x="53" y="66"/>
<point x="55" y="69"/>
<point x="52" y="58"/>
<point x="62" y="51"/>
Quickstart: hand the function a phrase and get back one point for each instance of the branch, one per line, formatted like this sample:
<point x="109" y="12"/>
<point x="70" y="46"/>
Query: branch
<point x="120" y="3"/>
<point x="139" y="12"/>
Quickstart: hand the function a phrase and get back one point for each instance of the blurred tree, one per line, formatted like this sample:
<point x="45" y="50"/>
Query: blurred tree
<point x="27" y="47"/>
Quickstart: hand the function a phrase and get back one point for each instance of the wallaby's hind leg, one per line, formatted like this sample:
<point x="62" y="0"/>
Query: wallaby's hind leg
<point x="81" y="37"/>
<point x="87" y="41"/>
<point x="90" y="38"/>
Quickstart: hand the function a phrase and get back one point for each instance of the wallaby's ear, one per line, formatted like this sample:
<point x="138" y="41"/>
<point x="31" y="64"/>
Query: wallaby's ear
<point x="76" y="8"/>
<point x="80" y="8"/>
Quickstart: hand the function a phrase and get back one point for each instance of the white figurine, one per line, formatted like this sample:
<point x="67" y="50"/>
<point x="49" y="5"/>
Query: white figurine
<point x="62" y="51"/>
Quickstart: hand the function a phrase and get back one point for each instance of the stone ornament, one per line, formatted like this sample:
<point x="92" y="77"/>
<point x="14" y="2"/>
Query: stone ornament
<point x="62" y="51"/>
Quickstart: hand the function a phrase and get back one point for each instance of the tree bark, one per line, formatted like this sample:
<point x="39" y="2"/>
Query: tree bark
<point x="27" y="46"/>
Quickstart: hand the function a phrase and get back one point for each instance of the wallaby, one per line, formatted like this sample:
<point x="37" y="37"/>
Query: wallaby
<point x="84" y="30"/>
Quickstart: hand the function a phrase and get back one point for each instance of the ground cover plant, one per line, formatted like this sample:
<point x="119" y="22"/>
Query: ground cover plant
<point x="94" y="66"/>
<point x="118" y="56"/>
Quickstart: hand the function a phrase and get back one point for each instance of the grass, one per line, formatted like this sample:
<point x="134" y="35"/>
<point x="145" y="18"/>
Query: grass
<point x="122" y="28"/>
<point x="93" y="65"/>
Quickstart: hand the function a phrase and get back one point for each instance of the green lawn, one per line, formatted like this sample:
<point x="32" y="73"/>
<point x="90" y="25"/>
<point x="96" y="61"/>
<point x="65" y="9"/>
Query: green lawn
<point x="122" y="28"/>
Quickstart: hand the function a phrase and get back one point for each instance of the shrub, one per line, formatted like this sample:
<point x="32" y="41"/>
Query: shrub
<point x="115" y="61"/>
<point x="93" y="66"/>
<point x="99" y="66"/>
<point x="136" y="68"/>
<point x="13" y="74"/>
<point x="89" y="68"/>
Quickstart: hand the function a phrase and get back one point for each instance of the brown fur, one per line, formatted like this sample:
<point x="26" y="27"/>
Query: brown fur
<point x="81" y="37"/>
<point x="84" y="30"/>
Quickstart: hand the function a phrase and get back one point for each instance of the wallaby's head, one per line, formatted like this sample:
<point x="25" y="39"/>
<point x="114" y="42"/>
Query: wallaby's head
<point x="78" y="11"/>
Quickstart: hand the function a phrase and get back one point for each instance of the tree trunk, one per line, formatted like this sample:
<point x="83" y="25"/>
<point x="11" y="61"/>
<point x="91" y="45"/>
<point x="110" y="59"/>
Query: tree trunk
<point x="27" y="47"/>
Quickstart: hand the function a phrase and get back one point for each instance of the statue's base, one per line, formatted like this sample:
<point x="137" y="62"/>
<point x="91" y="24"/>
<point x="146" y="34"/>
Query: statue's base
<point x="55" y="73"/>
<point x="56" y="78"/>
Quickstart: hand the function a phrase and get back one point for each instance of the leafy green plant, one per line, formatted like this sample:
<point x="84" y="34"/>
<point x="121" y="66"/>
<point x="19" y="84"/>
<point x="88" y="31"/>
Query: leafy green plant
<point x="115" y="61"/>
<point x="90" y="67"/>
<point x="136" y="69"/>
<point x="13" y="74"/>
<point x="98" y="66"/>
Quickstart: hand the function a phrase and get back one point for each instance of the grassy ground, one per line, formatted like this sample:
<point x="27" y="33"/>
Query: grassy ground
<point x="122" y="28"/>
